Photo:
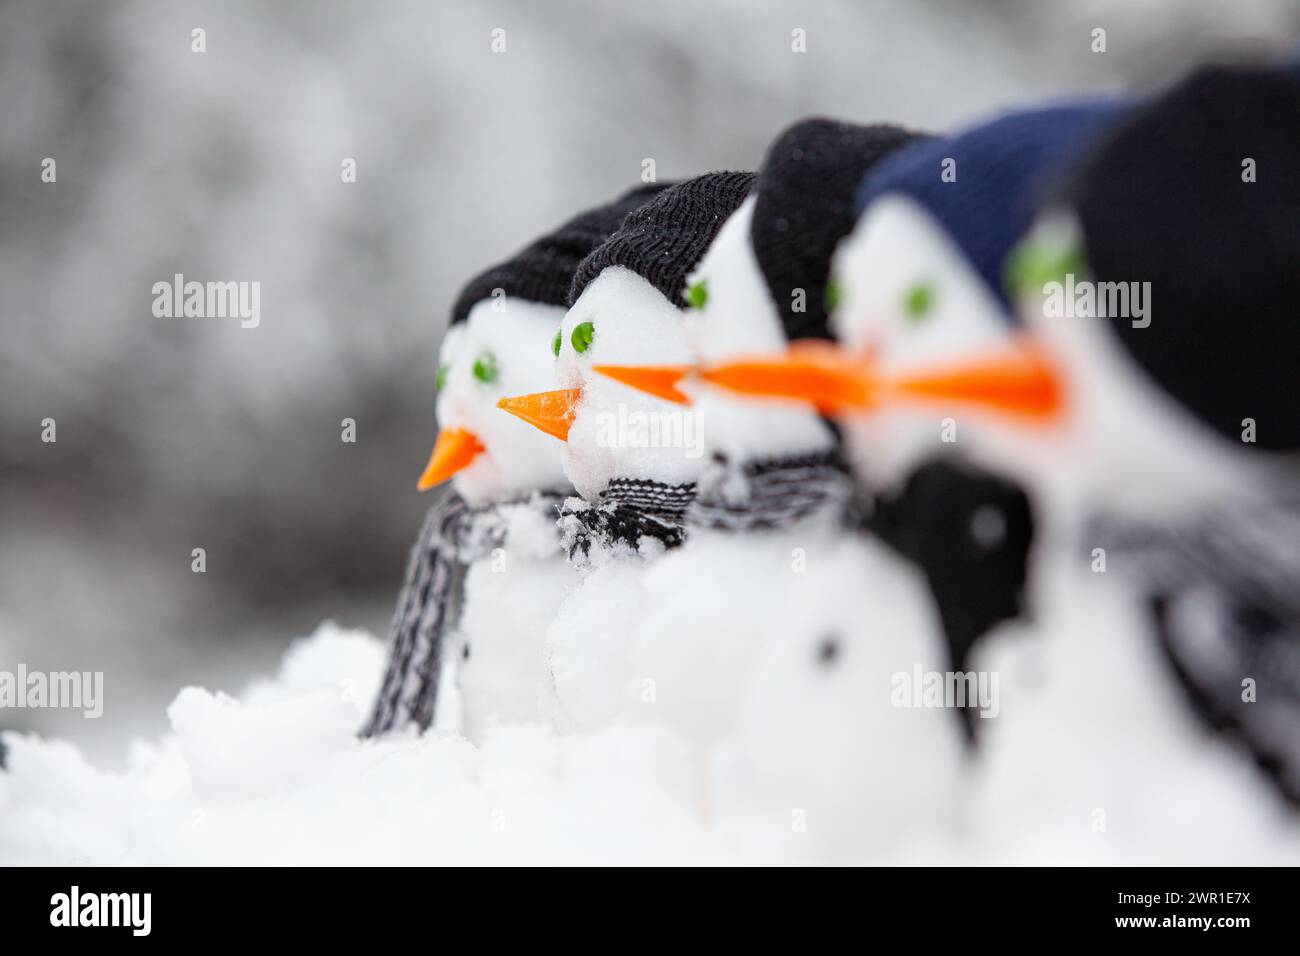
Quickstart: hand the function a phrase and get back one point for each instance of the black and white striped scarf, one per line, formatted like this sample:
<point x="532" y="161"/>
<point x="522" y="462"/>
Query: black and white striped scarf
<point x="770" y="493"/>
<point x="428" y="606"/>
<point x="629" y="514"/>
<point x="766" y="494"/>
<point x="1225" y="591"/>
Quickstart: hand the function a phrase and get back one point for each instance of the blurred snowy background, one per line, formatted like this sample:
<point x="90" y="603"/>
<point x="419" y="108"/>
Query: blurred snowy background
<point x="177" y="434"/>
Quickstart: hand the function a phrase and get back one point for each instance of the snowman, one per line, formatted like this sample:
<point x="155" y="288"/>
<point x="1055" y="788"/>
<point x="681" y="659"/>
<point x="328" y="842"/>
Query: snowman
<point x="487" y="572"/>
<point x="633" y="457"/>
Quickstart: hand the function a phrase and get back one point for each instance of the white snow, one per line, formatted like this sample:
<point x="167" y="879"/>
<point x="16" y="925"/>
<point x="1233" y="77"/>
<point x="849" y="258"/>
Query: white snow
<point x="712" y="729"/>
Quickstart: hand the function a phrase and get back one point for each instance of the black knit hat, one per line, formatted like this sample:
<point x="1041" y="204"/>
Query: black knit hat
<point x="805" y="207"/>
<point x="664" y="239"/>
<point x="543" y="270"/>
<point x="1163" y="200"/>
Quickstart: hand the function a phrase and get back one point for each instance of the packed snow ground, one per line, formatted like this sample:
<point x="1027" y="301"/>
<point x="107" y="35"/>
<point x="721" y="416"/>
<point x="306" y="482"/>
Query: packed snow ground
<point x="749" y="747"/>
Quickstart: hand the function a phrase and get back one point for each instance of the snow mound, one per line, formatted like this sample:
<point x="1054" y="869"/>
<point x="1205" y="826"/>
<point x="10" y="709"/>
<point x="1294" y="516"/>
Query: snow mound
<point x="278" y="776"/>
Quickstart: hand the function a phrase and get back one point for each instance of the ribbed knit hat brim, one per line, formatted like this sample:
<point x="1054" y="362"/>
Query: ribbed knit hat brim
<point x="805" y="207"/>
<point x="543" y="270"/>
<point x="1002" y="169"/>
<point x="663" y="239"/>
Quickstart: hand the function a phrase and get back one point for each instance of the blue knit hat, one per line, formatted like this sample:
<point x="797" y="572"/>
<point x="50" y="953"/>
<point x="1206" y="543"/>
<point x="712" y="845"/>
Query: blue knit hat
<point x="1003" y="168"/>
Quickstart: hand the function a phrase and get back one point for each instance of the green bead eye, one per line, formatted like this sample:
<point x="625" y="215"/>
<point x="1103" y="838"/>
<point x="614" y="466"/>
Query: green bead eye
<point x="698" y="294"/>
<point x="833" y="295"/>
<point x="582" y="335"/>
<point x="918" y="301"/>
<point x="556" y="343"/>
<point x="485" y="367"/>
<point x="441" y="381"/>
<point x="1039" y="260"/>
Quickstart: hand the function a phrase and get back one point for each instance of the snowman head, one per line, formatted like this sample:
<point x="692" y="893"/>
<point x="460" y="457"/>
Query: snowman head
<point x="502" y="324"/>
<point x="613" y="430"/>
<point x="730" y="315"/>
<point x="907" y="294"/>
<point x="909" y="300"/>
<point x="1124" y="262"/>
<point x="491" y="354"/>
<point x="922" y="275"/>
<point x="1165" y="289"/>
<point x="628" y="299"/>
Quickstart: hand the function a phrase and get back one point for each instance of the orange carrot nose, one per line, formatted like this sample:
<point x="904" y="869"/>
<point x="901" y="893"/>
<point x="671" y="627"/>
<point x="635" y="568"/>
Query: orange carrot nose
<point x="658" y="380"/>
<point x="814" y="371"/>
<point x="452" y="452"/>
<point x="1019" y="381"/>
<point x="552" y="412"/>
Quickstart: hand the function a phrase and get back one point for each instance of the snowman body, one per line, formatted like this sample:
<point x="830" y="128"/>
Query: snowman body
<point x="517" y="577"/>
